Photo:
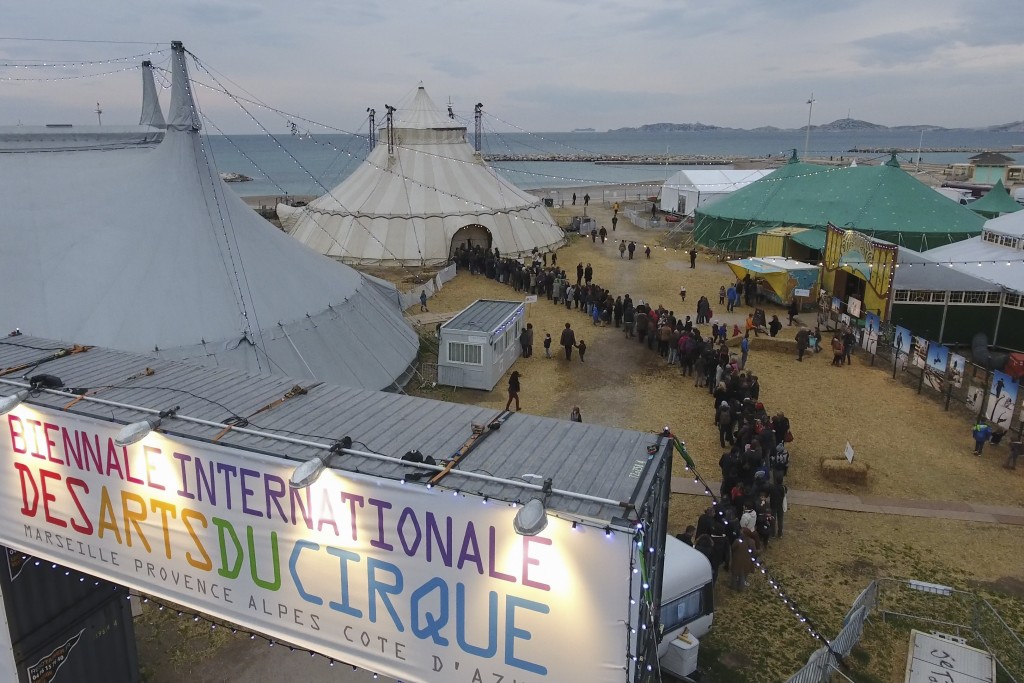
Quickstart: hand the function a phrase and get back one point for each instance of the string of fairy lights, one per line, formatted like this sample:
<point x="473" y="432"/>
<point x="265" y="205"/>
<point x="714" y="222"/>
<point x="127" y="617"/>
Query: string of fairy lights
<point x="773" y="583"/>
<point x="220" y="88"/>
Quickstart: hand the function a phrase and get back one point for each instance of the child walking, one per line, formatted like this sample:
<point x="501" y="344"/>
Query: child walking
<point x="547" y="346"/>
<point x="582" y="346"/>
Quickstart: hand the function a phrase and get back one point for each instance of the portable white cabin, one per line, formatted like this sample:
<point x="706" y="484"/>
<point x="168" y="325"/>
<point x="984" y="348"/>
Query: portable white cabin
<point x="479" y="344"/>
<point x="688" y="189"/>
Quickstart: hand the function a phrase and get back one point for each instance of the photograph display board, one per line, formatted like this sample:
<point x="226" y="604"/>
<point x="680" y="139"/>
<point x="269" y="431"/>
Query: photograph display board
<point x="414" y="583"/>
<point x="901" y="340"/>
<point x="957" y="365"/>
<point x="869" y="339"/>
<point x="935" y="370"/>
<point x="919" y="356"/>
<point x="1002" y="396"/>
<point x="853" y="307"/>
<point x="975" y="394"/>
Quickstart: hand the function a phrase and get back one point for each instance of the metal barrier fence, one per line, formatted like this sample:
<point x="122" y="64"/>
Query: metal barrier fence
<point x="966" y="388"/>
<point x="959" y="613"/>
<point x="431" y="287"/>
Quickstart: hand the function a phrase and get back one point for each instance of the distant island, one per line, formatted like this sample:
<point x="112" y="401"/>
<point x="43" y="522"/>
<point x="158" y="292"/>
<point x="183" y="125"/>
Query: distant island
<point x="846" y="124"/>
<point x="584" y="130"/>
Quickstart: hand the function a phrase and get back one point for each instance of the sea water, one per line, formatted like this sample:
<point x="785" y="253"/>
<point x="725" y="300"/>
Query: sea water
<point x="310" y="165"/>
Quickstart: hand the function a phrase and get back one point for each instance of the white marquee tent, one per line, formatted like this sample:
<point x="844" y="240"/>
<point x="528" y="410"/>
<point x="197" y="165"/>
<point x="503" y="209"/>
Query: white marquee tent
<point x="994" y="255"/>
<point x="688" y="189"/>
<point x="144" y="249"/>
<point x="417" y="203"/>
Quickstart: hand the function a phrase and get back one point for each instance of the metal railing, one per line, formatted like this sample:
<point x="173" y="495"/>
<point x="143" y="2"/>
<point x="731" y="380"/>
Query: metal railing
<point x="957" y="612"/>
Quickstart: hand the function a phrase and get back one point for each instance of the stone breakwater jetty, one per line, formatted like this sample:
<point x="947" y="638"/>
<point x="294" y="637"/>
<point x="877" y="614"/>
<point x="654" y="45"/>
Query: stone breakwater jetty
<point x="628" y="159"/>
<point x="928" y="150"/>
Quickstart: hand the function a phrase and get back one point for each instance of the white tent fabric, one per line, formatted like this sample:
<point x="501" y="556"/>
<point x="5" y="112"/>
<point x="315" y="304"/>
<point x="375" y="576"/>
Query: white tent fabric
<point x="146" y="250"/>
<point x="995" y="255"/>
<point x="151" y="114"/>
<point x="410" y="206"/>
<point x="59" y="137"/>
<point x="700" y="187"/>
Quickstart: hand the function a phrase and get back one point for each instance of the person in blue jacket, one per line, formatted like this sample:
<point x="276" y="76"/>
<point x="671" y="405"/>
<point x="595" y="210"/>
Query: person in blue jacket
<point x="981" y="432"/>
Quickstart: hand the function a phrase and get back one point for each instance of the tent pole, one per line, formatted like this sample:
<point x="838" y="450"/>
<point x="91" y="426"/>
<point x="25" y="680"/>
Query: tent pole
<point x="945" y="307"/>
<point x="999" y="316"/>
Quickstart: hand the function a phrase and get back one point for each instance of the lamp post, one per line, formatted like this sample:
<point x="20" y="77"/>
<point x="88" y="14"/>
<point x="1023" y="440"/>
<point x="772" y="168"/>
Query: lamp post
<point x="807" y="136"/>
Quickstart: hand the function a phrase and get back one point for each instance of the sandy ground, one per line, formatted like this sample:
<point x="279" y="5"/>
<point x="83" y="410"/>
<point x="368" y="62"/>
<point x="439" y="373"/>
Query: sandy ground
<point x="914" y="449"/>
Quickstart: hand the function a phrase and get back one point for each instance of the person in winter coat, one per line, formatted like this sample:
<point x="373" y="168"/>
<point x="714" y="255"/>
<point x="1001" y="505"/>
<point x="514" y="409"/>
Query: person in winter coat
<point x="513" y="389"/>
<point x="423" y="300"/>
<point x="582" y="346"/>
<point x="524" y="342"/>
<point x="741" y="562"/>
<point x="568" y="340"/>
<point x="981" y="432"/>
<point x="803" y="340"/>
<point x="547" y="346"/>
<point x="776" y="499"/>
<point x="724" y="420"/>
<point x="576" y="415"/>
<point x="775" y="326"/>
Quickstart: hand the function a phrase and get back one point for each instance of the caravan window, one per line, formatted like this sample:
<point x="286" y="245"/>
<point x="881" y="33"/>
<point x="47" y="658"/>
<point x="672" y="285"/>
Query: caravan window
<point x="470" y="354"/>
<point x="694" y="605"/>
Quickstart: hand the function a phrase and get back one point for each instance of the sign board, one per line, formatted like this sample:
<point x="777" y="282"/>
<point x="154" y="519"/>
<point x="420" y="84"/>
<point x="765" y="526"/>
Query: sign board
<point x="531" y="299"/>
<point x="933" y="658"/>
<point x="414" y="583"/>
<point x="848" y="452"/>
<point x="801" y="292"/>
<point x="853" y="307"/>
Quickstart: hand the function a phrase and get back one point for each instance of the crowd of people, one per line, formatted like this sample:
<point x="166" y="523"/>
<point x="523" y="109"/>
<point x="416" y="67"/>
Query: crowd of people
<point x="751" y="503"/>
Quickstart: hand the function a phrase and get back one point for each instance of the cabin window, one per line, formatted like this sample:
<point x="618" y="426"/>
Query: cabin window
<point x="1013" y="300"/>
<point x="690" y="607"/>
<point x="993" y="297"/>
<point x="956" y="297"/>
<point x="469" y="354"/>
<point x="901" y="295"/>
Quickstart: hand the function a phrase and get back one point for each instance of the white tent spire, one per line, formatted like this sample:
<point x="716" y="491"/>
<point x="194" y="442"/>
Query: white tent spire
<point x="151" y="113"/>
<point x="183" y="113"/>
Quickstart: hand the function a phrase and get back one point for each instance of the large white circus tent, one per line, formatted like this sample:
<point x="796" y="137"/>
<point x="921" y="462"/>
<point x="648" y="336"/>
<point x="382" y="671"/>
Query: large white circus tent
<point x="141" y="247"/>
<point x="419" y="196"/>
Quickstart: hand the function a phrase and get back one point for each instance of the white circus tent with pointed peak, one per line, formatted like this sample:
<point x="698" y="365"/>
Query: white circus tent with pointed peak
<point x="145" y="249"/>
<point x="416" y="201"/>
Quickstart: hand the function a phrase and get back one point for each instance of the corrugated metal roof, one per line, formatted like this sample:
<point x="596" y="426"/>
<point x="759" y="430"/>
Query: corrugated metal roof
<point x="582" y="458"/>
<point x="484" y="315"/>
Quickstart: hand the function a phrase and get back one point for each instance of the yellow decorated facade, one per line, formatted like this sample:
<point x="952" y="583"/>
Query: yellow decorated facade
<point x="856" y="265"/>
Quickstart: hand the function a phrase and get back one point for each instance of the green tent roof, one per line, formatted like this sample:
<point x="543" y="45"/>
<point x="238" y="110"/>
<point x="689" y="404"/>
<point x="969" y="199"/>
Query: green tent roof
<point x="995" y="203"/>
<point x="882" y="201"/>
<point x="812" y="239"/>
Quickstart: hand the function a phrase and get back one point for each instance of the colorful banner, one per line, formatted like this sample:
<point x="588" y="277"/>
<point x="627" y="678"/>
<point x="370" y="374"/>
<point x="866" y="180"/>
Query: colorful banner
<point x="901" y="341"/>
<point x="935" y="369"/>
<point x="415" y="583"/>
<point x="1002" y="396"/>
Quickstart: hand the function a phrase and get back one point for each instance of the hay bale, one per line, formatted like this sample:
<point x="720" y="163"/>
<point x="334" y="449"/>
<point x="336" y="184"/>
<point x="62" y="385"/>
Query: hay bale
<point x="839" y="469"/>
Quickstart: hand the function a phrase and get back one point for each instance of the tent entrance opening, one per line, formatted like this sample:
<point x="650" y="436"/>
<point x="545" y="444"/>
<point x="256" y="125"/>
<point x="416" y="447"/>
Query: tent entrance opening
<point x="848" y="284"/>
<point x="469" y="236"/>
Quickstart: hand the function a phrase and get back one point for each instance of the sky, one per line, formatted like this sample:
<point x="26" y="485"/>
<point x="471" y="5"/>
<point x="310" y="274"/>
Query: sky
<point x="536" y="65"/>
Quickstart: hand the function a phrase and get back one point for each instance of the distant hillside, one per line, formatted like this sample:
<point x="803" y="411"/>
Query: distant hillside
<point x="845" y="124"/>
<point x="667" y="128"/>
<point x="1015" y="127"/>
